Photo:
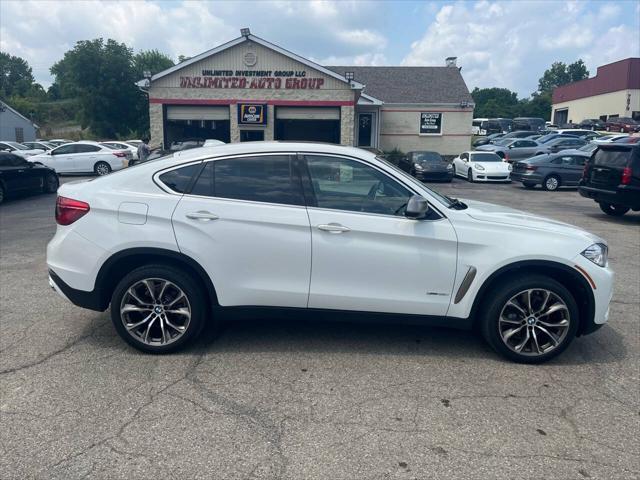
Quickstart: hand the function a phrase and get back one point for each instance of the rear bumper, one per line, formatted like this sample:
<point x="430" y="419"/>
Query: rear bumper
<point x="90" y="300"/>
<point x="526" y="177"/>
<point x="627" y="195"/>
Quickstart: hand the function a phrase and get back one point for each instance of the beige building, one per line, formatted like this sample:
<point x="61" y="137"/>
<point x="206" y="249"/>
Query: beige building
<point x="613" y="92"/>
<point x="250" y="90"/>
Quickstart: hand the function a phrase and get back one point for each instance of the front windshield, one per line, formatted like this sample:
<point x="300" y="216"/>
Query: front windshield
<point x="427" y="157"/>
<point x="442" y="198"/>
<point x="485" y="157"/>
<point x="17" y="145"/>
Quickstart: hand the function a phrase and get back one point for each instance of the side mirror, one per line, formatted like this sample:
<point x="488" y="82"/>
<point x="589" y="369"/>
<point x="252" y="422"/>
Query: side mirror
<point x="510" y="147"/>
<point x="417" y="207"/>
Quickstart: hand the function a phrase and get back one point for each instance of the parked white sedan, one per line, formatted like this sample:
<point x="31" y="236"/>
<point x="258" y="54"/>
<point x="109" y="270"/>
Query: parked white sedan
<point x="18" y="149"/>
<point x="481" y="167"/>
<point x="123" y="146"/>
<point x="84" y="157"/>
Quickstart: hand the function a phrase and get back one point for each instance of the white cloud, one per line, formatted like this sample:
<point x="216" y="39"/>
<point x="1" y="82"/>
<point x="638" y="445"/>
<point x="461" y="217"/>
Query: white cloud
<point x="41" y="31"/>
<point x="510" y="44"/>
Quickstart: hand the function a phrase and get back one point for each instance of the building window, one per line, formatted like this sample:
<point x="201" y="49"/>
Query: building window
<point x="19" y="134"/>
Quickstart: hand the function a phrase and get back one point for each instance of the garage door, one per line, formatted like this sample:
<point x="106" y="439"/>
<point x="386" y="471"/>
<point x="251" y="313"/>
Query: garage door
<point x="190" y="112"/>
<point x="307" y="113"/>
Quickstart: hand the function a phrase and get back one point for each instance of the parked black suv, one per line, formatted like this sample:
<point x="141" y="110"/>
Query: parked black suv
<point x="612" y="178"/>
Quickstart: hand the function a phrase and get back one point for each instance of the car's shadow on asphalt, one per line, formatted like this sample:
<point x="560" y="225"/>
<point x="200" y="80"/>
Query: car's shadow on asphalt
<point x="327" y="337"/>
<point x="630" y="218"/>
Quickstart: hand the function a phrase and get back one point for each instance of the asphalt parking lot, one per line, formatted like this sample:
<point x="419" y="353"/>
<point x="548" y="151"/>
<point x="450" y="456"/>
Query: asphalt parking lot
<point x="288" y="400"/>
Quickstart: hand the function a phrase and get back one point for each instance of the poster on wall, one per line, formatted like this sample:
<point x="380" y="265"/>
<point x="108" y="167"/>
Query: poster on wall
<point x="430" y="123"/>
<point x="252" y="114"/>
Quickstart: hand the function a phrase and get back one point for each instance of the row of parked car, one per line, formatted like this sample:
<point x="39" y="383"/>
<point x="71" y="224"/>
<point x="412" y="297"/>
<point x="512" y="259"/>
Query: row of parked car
<point x="34" y="166"/>
<point x="489" y="126"/>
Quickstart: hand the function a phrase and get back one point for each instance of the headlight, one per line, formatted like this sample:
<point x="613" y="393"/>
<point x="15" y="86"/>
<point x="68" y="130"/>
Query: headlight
<point x="509" y="167"/>
<point x="597" y="253"/>
<point x="417" y="166"/>
<point x="449" y="167"/>
<point x="478" y="167"/>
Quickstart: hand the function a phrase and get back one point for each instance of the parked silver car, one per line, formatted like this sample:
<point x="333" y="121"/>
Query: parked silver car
<point x="511" y="149"/>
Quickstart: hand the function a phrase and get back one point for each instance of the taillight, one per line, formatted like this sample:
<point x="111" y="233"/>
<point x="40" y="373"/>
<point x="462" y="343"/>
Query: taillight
<point x="69" y="210"/>
<point x="531" y="168"/>
<point x="585" y="170"/>
<point x="626" y="176"/>
<point x="120" y="154"/>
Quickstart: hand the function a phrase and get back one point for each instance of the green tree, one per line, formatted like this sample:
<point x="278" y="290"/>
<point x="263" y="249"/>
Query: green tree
<point x="102" y="75"/>
<point x="152" y="61"/>
<point x="494" y="102"/>
<point x="560" y="74"/>
<point x="16" y="76"/>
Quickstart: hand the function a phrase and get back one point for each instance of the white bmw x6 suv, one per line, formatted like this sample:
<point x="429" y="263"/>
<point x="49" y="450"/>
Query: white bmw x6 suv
<point x="318" y="230"/>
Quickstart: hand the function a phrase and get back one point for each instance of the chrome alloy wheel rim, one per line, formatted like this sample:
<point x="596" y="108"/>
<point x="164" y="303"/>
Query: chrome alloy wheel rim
<point x="155" y="311"/>
<point x="534" y="322"/>
<point x="102" y="169"/>
<point x="552" y="183"/>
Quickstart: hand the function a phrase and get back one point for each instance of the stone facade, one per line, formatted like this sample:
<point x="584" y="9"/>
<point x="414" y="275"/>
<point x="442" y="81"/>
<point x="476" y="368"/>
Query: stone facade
<point x="156" y="125"/>
<point x="347" y="125"/>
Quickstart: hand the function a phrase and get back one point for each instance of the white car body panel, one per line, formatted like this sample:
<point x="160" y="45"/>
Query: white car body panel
<point x="262" y="254"/>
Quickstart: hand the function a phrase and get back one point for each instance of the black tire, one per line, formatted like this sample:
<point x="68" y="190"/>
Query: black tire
<point x="50" y="183"/>
<point x="102" y="168"/>
<point x="2" y="194"/>
<point x="453" y="169"/>
<point x="195" y="302"/>
<point x="469" y="176"/>
<point x="528" y="185"/>
<point x="551" y="183"/>
<point x="501" y="294"/>
<point x="613" y="210"/>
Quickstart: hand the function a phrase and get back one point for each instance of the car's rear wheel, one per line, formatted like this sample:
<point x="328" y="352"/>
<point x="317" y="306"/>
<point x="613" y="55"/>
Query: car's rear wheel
<point x="551" y="183"/>
<point x="1" y="194"/>
<point x="102" y="168"/>
<point x="530" y="319"/>
<point x="528" y="185"/>
<point x="158" y="309"/>
<point x="613" y="210"/>
<point x="50" y="183"/>
<point x="470" y="176"/>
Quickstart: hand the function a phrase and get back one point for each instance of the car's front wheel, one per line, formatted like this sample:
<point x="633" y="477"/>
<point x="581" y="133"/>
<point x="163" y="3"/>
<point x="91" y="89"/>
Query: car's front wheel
<point x="470" y="176"/>
<point x="530" y="319"/>
<point x="158" y="308"/>
<point x="613" y="210"/>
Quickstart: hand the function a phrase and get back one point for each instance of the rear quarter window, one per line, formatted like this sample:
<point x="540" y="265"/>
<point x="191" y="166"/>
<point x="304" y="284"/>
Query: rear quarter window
<point x="179" y="179"/>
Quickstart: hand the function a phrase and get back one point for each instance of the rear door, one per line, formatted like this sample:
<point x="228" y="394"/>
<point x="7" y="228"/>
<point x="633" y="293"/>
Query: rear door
<point x="85" y="157"/>
<point x="62" y="158"/>
<point x="245" y="222"/>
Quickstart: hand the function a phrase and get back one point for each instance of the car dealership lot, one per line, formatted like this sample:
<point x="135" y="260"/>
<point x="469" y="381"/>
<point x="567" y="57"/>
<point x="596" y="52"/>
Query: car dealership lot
<point x="284" y="399"/>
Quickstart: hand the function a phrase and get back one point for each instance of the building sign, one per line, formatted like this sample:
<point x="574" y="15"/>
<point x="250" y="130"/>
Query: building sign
<point x="430" y="123"/>
<point x="252" y="114"/>
<point x="254" y="79"/>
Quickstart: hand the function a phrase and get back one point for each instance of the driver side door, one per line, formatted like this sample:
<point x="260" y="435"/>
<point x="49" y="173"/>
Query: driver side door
<point x="366" y="255"/>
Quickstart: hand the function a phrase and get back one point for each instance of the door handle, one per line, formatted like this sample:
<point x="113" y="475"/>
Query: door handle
<point x="202" y="215"/>
<point x="333" y="228"/>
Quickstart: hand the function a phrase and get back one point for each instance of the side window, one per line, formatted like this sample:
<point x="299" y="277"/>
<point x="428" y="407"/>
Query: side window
<point x="179" y="179"/>
<point x="557" y="161"/>
<point x="83" y="148"/>
<point x="567" y="161"/>
<point x="464" y="156"/>
<point x="528" y="143"/>
<point x="204" y="184"/>
<point x="63" y="150"/>
<point x="579" y="161"/>
<point x="343" y="184"/>
<point x="17" y="161"/>
<point x="269" y="179"/>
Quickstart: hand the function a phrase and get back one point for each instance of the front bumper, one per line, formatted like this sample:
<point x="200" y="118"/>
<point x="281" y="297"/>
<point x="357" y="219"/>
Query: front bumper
<point x="627" y="195"/>
<point x="601" y="280"/>
<point x="483" y="176"/>
<point x="425" y="175"/>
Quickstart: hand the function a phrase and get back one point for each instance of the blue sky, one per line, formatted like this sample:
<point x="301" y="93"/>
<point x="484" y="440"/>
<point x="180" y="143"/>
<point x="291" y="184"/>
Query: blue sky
<point x="499" y="43"/>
